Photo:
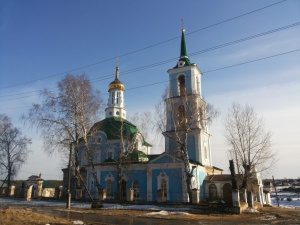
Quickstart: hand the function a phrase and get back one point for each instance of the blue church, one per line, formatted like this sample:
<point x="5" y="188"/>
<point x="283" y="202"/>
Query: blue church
<point x="122" y="158"/>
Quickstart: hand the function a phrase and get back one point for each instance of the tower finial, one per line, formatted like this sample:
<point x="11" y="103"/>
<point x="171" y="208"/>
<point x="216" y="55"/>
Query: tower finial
<point x="182" y="22"/>
<point x="117" y="68"/>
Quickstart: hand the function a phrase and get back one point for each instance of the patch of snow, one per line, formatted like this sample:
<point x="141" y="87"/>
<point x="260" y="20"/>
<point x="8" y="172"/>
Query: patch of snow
<point x="251" y="210"/>
<point x="268" y="217"/>
<point x="284" y="203"/>
<point x="180" y="213"/>
<point x="160" y="213"/>
<point x="165" y="213"/>
<point x="77" y="222"/>
<point x="35" y="203"/>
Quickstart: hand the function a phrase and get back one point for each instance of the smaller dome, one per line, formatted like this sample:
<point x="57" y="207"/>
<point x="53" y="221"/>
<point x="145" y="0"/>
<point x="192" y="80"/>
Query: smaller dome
<point x="117" y="84"/>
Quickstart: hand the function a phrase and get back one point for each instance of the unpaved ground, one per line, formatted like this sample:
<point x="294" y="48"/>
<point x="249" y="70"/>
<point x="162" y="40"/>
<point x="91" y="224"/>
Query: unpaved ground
<point x="267" y="215"/>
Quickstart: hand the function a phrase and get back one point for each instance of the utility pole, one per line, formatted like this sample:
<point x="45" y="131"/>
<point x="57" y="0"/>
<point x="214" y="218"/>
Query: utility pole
<point x="69" y="179"/>
<point x="275" y="192"/>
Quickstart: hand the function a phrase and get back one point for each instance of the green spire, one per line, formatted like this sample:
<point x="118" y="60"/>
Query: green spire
<point x="183" y="50"/>
<point x="184" y="58"/>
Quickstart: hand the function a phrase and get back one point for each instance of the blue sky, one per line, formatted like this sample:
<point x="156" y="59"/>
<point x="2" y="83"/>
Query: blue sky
<point x="40" y="41"/>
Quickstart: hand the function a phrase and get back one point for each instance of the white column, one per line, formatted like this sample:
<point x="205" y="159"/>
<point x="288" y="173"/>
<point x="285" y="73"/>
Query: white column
<point x="235" y="198"/>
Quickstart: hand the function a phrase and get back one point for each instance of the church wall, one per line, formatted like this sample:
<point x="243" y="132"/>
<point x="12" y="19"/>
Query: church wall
<point x="198" y="180"/>
<point x="201" y="178"/>
<point x="141" y="177"/>
<point x="191" y="143"/>
<point x="174" y="179"/>
<point x="172" y="147"/>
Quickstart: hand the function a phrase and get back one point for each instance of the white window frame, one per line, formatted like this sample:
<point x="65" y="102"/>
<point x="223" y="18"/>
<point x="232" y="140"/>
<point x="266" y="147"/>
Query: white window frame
<point x="160" y="177"/>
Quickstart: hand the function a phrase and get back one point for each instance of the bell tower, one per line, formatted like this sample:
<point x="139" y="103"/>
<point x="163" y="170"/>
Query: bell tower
<point x="116" y="101"/>
<point x="186" y="110"/>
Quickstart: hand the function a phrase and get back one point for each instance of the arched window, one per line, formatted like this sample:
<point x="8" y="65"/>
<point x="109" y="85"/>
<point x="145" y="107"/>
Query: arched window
<point x="213" y="194"/>
<point x="136" y="189"/>
<point x="118" y="97"/>
<point x="164" y="187"/>
<point x="112" y="97"/>
<point x="98" y="140"/>
<point x="109" y="188"/>
<point x="181" y="84"/>
<point x="163" y="184"/>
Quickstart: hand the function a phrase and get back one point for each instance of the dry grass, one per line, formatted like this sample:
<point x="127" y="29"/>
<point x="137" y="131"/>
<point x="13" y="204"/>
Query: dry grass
<point x="26" y="216"/>
<point x="266" y="215"/>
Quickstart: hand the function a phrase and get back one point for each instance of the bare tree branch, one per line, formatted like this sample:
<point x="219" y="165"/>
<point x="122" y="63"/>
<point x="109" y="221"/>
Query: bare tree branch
<point x="250" y="145"/>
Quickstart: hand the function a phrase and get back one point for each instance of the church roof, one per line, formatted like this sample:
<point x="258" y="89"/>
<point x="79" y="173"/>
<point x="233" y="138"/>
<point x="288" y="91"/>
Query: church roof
<point x="219" y="177"/>
<point x="47" y="184"/>
<point x="138" y="156"/>
<point x="147" y="144"/>
<point x="113" y="126"/>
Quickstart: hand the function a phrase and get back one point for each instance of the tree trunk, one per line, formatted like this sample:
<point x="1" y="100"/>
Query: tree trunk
<point x="9" y="174"/>
<point x="119" y="179"/>
<point x="233" y="175"/>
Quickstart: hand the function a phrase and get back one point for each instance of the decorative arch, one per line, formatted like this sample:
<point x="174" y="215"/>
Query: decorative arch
<point x="213" y="193"/>
<point x="109" y="179"/>
<point x="181" y="85"/>
<point x="163" y="184"/>
<point x="136" y="189"/>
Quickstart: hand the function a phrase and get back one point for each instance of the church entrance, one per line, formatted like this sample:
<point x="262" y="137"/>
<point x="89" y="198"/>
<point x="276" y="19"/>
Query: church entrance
<point x="227" y="193"/>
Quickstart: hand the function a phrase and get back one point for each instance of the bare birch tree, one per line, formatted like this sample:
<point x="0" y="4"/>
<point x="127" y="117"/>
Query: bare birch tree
<point x="65" y="117"/>
<point x="249" y="142"/>
<point x="186" y="113"/>
<point x="144" y="123"/>
<point x="13" y="149"/>
<point x="126" y="133"/>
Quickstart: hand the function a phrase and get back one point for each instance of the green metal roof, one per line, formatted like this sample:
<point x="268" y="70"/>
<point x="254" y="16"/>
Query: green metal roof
<point x="109" y="161"/>
<point x="151" y="157"/>
<point x="47" y="184"/>
<point x="138" y="156"/>
<point x="183" y="49"/>
<point x="114" y="126"/>
<point x="147" y="144"/>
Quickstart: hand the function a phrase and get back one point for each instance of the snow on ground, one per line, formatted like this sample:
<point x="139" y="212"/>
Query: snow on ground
<point x="159" y="210"/>
<point x="36" y="203"/>
<point x="283" y="199"/>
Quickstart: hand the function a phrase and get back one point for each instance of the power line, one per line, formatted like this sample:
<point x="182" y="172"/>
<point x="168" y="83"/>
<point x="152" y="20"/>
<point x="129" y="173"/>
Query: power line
<point x="147" y="47"/>
<point x="209" y="71"/>
<point x="251" y="61"/>
<point x="172" y="59"/>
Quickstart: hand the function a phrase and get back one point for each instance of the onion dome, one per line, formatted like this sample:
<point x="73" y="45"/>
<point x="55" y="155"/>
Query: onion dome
<point x="117" y="84"/>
